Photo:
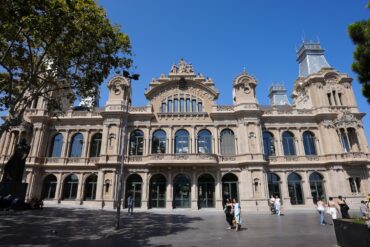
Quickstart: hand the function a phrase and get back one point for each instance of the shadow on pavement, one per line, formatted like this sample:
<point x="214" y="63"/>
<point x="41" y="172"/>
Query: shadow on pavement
<point x="76" y="227"/>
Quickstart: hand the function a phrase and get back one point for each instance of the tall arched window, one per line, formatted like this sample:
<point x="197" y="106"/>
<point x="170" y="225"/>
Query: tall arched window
<point x="204" y="142"/>
<point x="288" y="143"/>
<point x="137" y="142"/>
<point x="309" y="143"/>
<point x="56" y="145"/>
<point x="182" y="142"/>
<point x="268" y="144"/>
<point x="159" y="142"/>
<point x="49" y="187"/>
<point x="95" y="145"/>
<point x="227" y="142"/>
<point x="76" y="145"/>
<point x="295" y="189"/>
<point x="316" y="186"/>
<point x="273" y="184"/>
<point x="70" y="186"/>
<point x="90" y="187"/>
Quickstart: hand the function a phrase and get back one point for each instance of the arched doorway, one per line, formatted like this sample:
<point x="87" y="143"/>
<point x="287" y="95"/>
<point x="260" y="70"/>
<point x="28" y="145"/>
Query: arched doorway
<point x="295" y="189"/>
<point x="90" y="187"/>
<point x="273" y="184"/>
<point x="229" y="187"/>
<point x="70" y="187"/>
<point x="157" y="190"/>
<point x="206" y="191"/>
<point x="316" y="186"/>
<point x="49" y="187"/>
<point x="181" y="191"/>
<point x="133" y="188"/>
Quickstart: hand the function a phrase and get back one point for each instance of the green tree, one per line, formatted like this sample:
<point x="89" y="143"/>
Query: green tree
<point x="360" y="34"/>
<point x="49" y="47"/>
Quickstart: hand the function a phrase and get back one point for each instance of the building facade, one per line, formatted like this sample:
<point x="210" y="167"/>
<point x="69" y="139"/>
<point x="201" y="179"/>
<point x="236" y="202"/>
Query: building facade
<point x="182" y="150"/>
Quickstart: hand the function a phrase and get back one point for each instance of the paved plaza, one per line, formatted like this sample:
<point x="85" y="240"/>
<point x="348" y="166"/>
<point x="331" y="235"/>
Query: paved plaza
<point x="83" y="227"/>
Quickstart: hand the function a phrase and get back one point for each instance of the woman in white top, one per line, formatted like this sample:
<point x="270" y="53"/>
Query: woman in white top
<point x="277" y="205"/>
<point x="320" y="205"/>
<point x="332" y="208"/>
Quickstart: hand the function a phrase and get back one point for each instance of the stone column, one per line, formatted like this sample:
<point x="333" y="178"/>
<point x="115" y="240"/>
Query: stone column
<point x="145" y="196"/>
<point x="104" y="144"/>
<point x="299" y="139"/>
<point x="87" y="146"/>
<point x="58" y="190"/>
<point x="218" y="190"/>
<point x="81" y="183"/>
<point x="278" y="144"/>
<point x="169" y="192"/>
<point x="100" y="185"/>
<point x="284" y="189"/>
<point x="65" y="148"/>
<point x="306" y="188"/>
<point x="194" y="190"/>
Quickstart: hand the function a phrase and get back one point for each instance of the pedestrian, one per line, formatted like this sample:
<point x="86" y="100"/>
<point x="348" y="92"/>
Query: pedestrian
<point x="343" y="208"/>
<point x="229" y="213"/>
<point x="364" y="210"/>
<point x="237" y="216"/>
<point x="332" y="209"/>
<point x="130" y="204"/>
<point x="277" y="205"/>
<point x="320" y="206"/>
<point x="272" y="204"/>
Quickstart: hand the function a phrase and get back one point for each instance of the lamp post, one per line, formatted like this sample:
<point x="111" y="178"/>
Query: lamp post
<point x="125" y="74"/>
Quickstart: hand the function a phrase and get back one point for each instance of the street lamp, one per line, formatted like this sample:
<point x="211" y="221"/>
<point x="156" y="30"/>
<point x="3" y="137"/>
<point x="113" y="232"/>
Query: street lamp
<point x="125" y="74"/>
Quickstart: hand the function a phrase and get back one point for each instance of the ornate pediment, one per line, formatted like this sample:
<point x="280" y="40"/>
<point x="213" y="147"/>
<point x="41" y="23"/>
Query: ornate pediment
<point x="347" y="119"/>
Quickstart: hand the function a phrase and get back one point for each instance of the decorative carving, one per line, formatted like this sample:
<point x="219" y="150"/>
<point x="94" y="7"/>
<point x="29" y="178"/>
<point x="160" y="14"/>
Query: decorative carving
<point x="225" y="108"/>
<point x="182" y="68"/>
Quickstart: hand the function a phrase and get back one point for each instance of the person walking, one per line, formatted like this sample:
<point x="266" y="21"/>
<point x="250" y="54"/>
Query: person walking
<point x="272" y="204"/>
<point x="332" y="209"/>
<point x="237" y="216"/>
<point x="130" y="204"/>
<point x="229" y="213"/>
<point x="320" y="206"/>
<point x="364" y="210"/>
<point x="277" y="206"/>
<point x="343" y="208"/>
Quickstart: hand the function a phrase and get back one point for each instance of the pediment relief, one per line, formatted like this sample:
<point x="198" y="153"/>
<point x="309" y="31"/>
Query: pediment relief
<point x="174" y="88"/>
<point x="245" y="80"/>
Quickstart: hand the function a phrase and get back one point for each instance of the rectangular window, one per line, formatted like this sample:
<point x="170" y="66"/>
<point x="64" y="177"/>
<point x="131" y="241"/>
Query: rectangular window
<point x="340" y="98"/>
<point x="335" y="98"/>
<point x="194" y="105"/>
<point x="188" y="109"/>
<point x="163" y="107"/>
<point x="200" y="107"/>
<point x="355" y="184"/>
<point x="182" y="105"/>
<point x="329" y="98"/>
<point x="169" y="106"/>
<point x="176" y="105"/>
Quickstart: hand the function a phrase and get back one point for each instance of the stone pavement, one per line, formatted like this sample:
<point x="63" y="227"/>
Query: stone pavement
<point x="83" y="227"/>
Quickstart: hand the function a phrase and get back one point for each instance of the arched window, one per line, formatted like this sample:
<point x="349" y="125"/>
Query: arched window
<point x="137" y="142"/>
<point x="268" y="144"/>
<point x="157" y="191"/>
<point x="295" y="189"/>
<point x="204" y="142"/>
<point x="49" y="187"/>
<point x="159" y="142"/>
<point x="288" y="143"/>
<point x="181" y="191"/>
<point x="90" y="187"/>
<point x="309" y="143"/>
<point x="76" y="145"/>
<point x="95" y="145"/>
<point x="273" y="184"/>
<point x="182" y="142"/>
<point x="230" y="187"/>
<point x="133" y="187"/>
<point x="56" y="145"/>
<point x="353" y="140"/>
<point x="227" y="142"/>
<point x="317" y="186"/>
<point x="206" y="191"/>
<point x="70" y="186"/>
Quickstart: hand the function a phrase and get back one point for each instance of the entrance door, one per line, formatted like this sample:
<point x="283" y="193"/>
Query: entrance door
<point x="206" y="191"/>
<point x="157" y="191"/>
<point x="229" y="187"/>
<point x="133" y="188"/>
<point x="181" y="191"/>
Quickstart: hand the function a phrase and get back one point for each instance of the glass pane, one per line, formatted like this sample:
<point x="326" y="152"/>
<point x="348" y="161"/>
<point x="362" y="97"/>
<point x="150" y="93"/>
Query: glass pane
<point x="76" y="145"/>
<point x="57" y="145"/>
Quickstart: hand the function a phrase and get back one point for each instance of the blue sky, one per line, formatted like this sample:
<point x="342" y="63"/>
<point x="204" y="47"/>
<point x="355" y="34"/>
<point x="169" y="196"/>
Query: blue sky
<point x="220" y="37"/>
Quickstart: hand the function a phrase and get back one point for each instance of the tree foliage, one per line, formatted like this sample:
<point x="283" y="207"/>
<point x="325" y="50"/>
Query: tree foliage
<point x="360" y="34"/>
<point x="53" y="46"/>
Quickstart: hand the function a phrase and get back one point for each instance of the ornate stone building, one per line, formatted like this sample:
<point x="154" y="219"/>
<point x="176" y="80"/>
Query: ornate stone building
<point x="183" y="150"/>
